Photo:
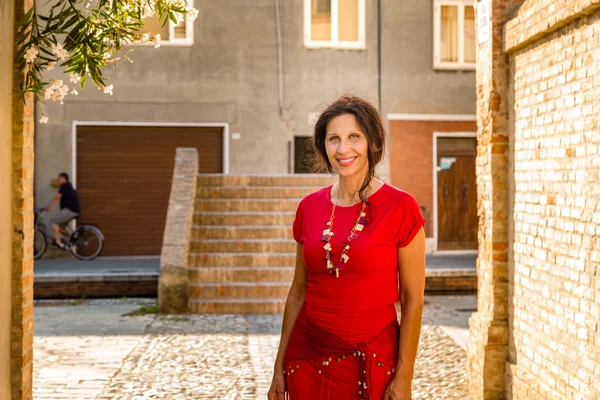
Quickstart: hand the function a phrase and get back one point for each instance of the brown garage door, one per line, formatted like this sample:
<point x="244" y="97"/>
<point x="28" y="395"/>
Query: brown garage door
<point x="124" y="178"/>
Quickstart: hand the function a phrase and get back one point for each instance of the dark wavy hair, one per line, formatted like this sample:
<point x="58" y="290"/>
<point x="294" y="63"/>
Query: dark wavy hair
<point x="370" y="124"/>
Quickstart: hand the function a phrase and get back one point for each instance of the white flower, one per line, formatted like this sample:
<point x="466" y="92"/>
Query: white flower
<point x="56" y="84"/>
<point x="64" y="90"/>
<point x="51" y="65"/>
<point x="57" y="91"/>
<point x="59" y="51"/>
<point x="44" y="119"/>
<point x="145" y="37"/>
<point x="148" y="9"/>
<point x="74" y="78"/>
<point x="30" y="54"/>
<point x="108" y="89"/>
<point x="156" y="41"/>
<point x="176" y="3"/>
<point x="58" y="97"/>
<point x="74" y="91"/>
<point x="191" y="14"/>
<point x="126" y="7"/>
<point x="106" y="55"/>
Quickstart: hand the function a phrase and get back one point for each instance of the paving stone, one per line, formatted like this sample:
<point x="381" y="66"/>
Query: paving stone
<point x="227" y="356"/>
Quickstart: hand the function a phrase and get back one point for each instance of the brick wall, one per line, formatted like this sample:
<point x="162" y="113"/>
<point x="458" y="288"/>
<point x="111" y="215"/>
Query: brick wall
<point x="487" y="347"/>
<point x="538" y="189"/>
<point x="174" y="260"/>
<point x="411" y="158"/>
<point x="555" y="296"/>
<point x="22" y="250"/>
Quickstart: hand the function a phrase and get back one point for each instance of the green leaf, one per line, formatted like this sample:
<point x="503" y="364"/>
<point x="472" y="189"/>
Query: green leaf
<point x="65" y="63"/>
<point x="46" y="51"/>
<point x="20" y="39"/>
<point x="70" y="22"/>
<point x="58" y="4"/>
<point x="27" y="18"/>
<point x="172" y="17"/>
<point x="23" y="49"/>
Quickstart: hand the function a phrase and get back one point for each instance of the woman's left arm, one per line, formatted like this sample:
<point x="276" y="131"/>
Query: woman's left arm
<point x="411" y="267"/>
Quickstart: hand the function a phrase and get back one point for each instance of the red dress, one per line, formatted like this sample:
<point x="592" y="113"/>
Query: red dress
<point x="344" y="344"/>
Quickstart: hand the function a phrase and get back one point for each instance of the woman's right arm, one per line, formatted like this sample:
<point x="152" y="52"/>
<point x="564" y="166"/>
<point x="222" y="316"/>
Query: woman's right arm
<point x="293" y="304"/>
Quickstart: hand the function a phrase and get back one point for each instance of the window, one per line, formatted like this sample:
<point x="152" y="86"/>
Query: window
<point x="454" y="34"/>
<point x="171" y="34"/>
<point x="334" y="24"/>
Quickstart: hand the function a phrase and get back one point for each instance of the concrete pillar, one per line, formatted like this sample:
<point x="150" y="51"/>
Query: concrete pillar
<point x="487" y="349"/>
<point x="174" y="258"/>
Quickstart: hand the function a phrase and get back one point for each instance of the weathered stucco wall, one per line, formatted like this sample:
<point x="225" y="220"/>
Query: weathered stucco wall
<point x="6" y="55"/>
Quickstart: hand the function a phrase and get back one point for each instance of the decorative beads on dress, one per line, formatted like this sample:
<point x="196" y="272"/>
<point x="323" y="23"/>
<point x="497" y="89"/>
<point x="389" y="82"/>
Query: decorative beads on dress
<point x="334" y="269"/>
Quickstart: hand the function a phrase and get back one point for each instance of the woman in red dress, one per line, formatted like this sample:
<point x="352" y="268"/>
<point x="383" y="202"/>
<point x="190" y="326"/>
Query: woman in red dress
<point x="361" y="249"/>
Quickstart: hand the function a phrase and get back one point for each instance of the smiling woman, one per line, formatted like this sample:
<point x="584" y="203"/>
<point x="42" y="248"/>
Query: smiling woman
<point x="350" y="129"/>
<point x="345" y="144"/>
<point x="361" y="249"/>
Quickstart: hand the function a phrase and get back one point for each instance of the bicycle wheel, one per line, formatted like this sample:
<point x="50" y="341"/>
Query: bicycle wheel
<point x="40" y="243"/>
<point x="86" y="243"/>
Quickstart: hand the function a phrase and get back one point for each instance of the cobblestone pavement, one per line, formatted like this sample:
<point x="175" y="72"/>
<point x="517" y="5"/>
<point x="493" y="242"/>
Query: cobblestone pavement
<point x="90" y="351"/>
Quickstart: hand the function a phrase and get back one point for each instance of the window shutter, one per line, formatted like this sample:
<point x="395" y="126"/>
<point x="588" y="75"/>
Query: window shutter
<point x="180" y="31"/>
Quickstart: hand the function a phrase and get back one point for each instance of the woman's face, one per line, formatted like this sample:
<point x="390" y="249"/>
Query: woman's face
<point x="347" y="146"/>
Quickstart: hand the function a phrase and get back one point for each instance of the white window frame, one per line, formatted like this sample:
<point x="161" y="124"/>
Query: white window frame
<point x="171" y="41"/>
<point x="437" y="36"/>
<point x="334" y="43"/>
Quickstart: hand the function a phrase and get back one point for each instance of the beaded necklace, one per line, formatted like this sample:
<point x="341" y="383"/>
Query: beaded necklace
<point x="334" y="269"/>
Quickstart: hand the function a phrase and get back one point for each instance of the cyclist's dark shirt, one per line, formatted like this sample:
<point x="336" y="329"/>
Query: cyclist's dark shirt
<point x="69" y="197"/>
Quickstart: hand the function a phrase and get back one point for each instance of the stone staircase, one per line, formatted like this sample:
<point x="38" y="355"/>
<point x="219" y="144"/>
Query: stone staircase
<point x="242" y="254"/>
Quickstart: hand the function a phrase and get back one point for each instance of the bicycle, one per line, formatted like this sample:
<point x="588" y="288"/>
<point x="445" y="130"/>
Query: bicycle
<point x="85" y="242"/>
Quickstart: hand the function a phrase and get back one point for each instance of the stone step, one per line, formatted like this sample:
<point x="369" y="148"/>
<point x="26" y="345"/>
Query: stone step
<point x="246" y="204"/>
<point x="244" y="218"/>
<point x="254" y="192"/>
<point x="265" y="180"/>
<point x="241" y="232"/>
<point x="240" y="274"/>
<point x="239" y="290"/>
<point x="243" y="246"/>
<point x="242" y="259"/>
<point x="237" y="306"/>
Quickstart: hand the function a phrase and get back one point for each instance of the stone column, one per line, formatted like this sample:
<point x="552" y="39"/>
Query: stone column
<point x="487" y="349"/>
<point x="173" y="276"/>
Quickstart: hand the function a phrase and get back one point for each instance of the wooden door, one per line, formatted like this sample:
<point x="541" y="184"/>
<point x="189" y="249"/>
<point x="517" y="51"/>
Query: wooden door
<point x="124" y="180"/>
<point x="457" y="200"/>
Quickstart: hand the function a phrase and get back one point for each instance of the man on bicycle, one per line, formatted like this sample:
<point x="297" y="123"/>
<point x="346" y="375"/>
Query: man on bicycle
<point x="69" y="207"/>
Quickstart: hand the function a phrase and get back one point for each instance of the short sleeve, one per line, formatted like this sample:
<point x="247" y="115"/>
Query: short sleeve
<point x="297" y="226"/>
<point x="411" y="220"/>
<point x="62" y="188"/>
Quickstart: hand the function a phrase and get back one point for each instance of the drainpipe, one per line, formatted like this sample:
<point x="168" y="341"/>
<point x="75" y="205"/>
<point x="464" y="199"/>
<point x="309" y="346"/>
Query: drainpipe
<point x="279" y="59"/>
